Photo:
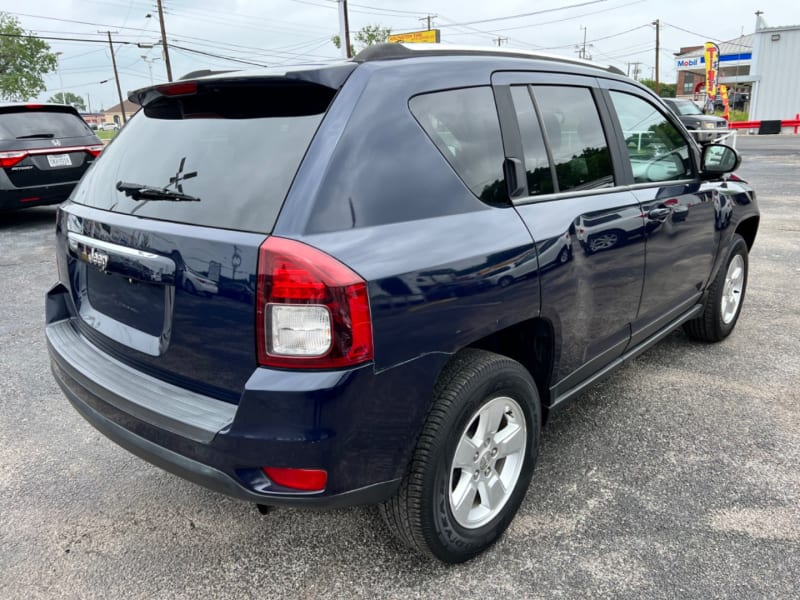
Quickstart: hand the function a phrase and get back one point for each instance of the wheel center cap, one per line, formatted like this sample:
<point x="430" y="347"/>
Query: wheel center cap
<point x="484" y="461"/>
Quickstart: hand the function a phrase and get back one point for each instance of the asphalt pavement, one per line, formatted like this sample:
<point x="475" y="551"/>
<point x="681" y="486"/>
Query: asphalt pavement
<point x="678" y="477"/>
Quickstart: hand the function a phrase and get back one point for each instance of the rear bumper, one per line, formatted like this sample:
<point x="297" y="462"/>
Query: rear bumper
<point x="358" y="425"/>
<point x="16" y="198"/>
<point x="198" y="472"/>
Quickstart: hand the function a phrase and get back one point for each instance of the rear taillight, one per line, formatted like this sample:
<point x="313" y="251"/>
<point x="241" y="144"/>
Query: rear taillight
<point x="313" y="311"/>
<point x="9" y="159"/>
<point x="95" y="150"/>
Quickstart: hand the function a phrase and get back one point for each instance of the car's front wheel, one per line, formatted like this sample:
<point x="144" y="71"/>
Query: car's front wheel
<point x="724" y="298"/>
<point x="473" y="461"/>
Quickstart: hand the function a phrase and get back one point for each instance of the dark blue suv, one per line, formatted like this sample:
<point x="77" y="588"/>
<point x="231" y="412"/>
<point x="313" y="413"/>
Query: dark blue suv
<point x="371" y="282"/>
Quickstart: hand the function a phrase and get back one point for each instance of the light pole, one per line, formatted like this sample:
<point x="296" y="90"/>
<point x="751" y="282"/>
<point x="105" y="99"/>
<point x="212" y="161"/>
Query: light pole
<point x="150" y="62"/>
<point x="60" y="80"/>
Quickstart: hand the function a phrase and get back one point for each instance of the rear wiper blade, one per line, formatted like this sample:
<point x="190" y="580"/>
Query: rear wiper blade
<point x="139" y="191"/>
<point x="36" y="135"/>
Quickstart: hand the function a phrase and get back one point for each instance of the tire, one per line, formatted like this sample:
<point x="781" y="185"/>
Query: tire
<point x="724" y="298"/>
<point x="476" y="389"/>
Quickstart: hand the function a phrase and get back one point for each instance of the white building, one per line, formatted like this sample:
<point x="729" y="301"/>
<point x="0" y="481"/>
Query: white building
<point x="761" y="67"/>
<point x="776" y="86"/>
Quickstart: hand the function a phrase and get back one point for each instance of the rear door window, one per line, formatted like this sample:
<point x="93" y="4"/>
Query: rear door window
<point x="43" y="124"/>
<point x="234" y="151"/>
<point x="575" y="136"/>
<point x="537" y="164"/>
<point x="464" y="126"/>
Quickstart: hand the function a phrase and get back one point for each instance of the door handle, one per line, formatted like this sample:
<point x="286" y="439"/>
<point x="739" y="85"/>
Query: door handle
<point x="658" y="214"/>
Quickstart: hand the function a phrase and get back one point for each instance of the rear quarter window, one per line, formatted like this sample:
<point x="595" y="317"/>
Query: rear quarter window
<point x="464" y="126"/>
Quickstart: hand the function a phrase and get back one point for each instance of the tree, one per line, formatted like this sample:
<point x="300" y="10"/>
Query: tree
<point x="68" y="98"/>
<point x="667" y="90"/>
<point x="24" y="60"/>
<point x="368" y="35"/>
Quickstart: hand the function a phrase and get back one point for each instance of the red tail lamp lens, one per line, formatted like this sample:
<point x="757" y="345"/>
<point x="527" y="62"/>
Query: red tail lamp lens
<point x="312" y="311"/>
<point x="9" y="159"/>
<point x="306" y="480"/>
<point x="95" y="150"/>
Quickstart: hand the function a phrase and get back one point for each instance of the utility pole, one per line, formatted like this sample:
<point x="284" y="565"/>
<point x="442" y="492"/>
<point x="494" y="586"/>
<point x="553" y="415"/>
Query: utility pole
<point x="581" y="48"/>
<point x="344" y="29"/>
<point x="429" y="18"/>
<point x="164" y="40"/>
<point x="150" y="62"/>
<point x="657" y="23"/>
<point x="636" y="70"/>
<point x="116" y="75"/>
<point x="500" y="40"/>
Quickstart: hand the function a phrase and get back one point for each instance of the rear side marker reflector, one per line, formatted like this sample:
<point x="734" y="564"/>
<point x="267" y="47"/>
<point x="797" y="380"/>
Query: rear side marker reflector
<point x="306" y="480"/>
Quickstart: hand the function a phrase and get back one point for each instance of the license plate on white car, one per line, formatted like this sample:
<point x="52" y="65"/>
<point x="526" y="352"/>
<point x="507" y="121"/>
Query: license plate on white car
<point x="59" y="160"/>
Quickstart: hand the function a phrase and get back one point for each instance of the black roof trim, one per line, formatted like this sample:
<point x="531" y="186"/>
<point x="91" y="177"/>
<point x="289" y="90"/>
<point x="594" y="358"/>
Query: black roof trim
<point x="400" y="51"/>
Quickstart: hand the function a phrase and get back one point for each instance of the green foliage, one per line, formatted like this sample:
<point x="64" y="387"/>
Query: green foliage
<point x="368" y="35"/>
<point x="23" y="61"/>
<point x="736" y="115"/>
<point x="667" y="90"/>
<point x="372" y="34"/>
<point x="68" y="98"/>
<point x="337" y="41"/>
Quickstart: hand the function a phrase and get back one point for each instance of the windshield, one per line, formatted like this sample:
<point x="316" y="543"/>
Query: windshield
<point x="233" y="153"/>
<point x="686" y="107"/>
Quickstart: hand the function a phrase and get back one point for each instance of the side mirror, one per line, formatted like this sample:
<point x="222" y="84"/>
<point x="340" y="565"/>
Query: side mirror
<point x="718" y="159"/>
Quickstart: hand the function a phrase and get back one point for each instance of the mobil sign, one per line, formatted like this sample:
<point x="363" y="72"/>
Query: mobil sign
<point x="693" y="62"/>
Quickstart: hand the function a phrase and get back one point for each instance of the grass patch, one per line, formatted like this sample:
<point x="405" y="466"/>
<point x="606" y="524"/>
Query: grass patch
<point x="106" y="135"/>
<point x="736" y="115"/>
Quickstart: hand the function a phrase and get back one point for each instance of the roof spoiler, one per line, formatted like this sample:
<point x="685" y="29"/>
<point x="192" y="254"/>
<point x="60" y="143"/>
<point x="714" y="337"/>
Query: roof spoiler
<point x="330" y="76"/>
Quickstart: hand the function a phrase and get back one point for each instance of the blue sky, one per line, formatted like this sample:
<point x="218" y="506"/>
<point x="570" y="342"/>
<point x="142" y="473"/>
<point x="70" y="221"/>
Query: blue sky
<point x="276" y="32"/>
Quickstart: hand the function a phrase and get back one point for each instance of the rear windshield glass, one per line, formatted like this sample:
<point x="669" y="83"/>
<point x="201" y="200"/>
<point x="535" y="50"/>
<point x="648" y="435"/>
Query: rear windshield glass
<point x="226" y="158"/>
<point x="30" y="124"/>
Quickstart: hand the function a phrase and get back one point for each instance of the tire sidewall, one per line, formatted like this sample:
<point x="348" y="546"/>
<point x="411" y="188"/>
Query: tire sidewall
<point x="449" y="540"/>
<point x="738" y="247"/>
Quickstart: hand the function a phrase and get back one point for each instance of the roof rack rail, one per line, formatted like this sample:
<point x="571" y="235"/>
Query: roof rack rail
<point x="390" y="51"/>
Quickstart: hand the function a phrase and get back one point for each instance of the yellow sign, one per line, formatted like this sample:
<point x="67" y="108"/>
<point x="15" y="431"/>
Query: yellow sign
<point x="431" y="36"/>
<point x="712" y="69"/>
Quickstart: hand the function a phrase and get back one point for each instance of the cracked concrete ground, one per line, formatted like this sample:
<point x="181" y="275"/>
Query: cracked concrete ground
<point x="677" y="477"/>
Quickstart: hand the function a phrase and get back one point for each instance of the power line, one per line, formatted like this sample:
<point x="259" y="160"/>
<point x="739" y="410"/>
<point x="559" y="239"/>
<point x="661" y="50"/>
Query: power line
<point x="563" y="19"/>
<point x="229" y="58"/>
<point x="529" y="14"/>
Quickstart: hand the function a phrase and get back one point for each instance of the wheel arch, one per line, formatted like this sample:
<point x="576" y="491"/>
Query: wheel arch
<point x="532" y="344"/>
<point x="748" y="229"/>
